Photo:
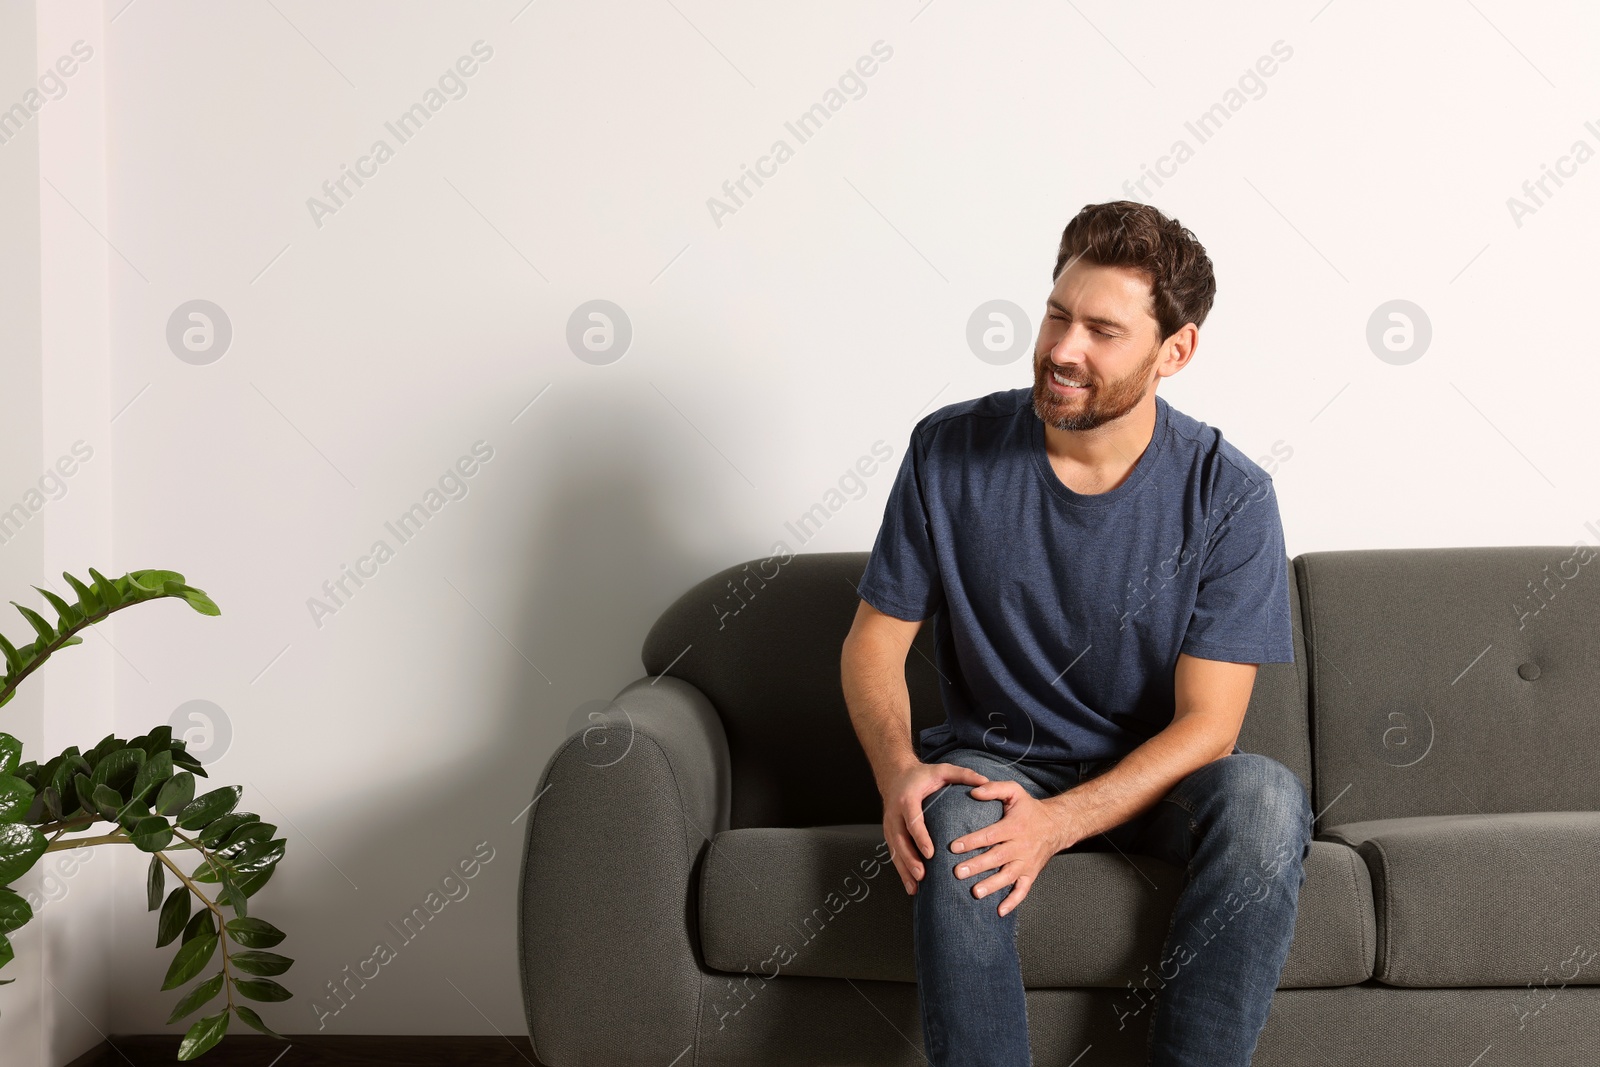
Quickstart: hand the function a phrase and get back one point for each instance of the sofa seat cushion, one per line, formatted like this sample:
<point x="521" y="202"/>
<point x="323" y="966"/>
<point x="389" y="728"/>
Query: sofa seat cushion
<point x="1483" y="900"/>
<point x="826" y="902"/>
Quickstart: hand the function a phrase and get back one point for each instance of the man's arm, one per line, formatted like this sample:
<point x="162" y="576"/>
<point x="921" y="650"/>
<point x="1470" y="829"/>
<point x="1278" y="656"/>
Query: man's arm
<point x="873" y="670"/>
<point x="1210" y="697"/>
<point x="872" y="667"/>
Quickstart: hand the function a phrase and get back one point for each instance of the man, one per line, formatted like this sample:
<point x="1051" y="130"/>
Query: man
<point x="1105" y="573"/>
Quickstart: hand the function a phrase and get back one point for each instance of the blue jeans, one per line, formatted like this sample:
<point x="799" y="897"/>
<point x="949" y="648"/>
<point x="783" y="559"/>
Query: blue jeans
<point x="1240" y="827"/>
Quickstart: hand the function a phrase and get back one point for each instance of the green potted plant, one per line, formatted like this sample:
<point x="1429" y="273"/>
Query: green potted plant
<point x="141" y="792"/>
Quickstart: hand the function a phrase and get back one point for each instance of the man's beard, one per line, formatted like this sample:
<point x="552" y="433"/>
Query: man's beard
<point x="1098" y="405"/>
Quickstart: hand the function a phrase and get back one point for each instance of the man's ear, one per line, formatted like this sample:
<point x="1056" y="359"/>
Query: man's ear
<point x="1179" y="349"/>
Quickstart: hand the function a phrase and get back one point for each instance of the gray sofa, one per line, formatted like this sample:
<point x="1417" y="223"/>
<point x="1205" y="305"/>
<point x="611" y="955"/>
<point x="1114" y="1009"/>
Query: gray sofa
<point x="705" y="880"/>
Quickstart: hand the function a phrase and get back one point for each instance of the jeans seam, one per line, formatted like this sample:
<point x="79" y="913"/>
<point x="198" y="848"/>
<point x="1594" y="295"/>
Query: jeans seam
<point x="1184" y="804"/>
<point x="916" y="967"/>
<point x="1172" y="923"/>
<point x="1027" y="1021"/>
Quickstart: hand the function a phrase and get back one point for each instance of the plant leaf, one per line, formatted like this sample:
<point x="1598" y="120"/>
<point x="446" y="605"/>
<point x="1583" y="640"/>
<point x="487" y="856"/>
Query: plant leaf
<point x="152" y="772"/>
<point x="10" y="753"/>
<point x="16" y="797"/>
<point x="254" y="830"/>
<point x="197" y="599"/>
<point x="118" y="768"/>
<point x="71" y="764"/>
<point x="85" y="793"/>
<point x="151" y="834"/>
<point x="259" y="855"/>
<point x="107" y="745"/>
<point x="196" y="997"/>
<point x="250" y="1017"/>
<point x="202" y="923"/>
<point x="182" y="758"/>
<point x="217" y="832"/>
<point x="52" y="806"/>
<point x="265" y="964"/>
<point x="202" y="810"/>
<point x="153" y="582"/>
<point x="261" y="989"/>
<point x="88" y="603"/>
<point x="254" y="933"/>
<point x="45" y="631"/>
<point x="158" y="741"/>
<point x="129" y="814"/>
<point x="155" y="883"/>
<point x="106" y="589"/>
<point x="231" y="894"/>
<point x="175" y="792"/>
<point x="52" y="771"/>
<point x="192" y="956"/>
<point x="203" y="1036"/>
<point x="15" y="912"/>
<point x="174" y="914"/>
<point x="14" y="659"/>
<point x="20" y="847"/>
<point x="69" y="614"/>
<point x="106" y="802"/>
<point x="206" y="871"/>
<point x="255" y="880"/>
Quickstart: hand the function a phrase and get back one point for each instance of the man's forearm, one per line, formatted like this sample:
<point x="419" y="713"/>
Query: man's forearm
<point x="880" y="708"/>
<point x="1139" y="780"/>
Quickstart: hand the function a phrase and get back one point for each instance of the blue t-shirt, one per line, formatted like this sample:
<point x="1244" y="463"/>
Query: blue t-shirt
<point x="1059" y="615"/>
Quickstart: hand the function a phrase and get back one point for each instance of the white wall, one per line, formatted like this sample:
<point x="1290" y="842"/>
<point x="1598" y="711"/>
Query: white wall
<point x="83" y="886"/>
<point x="371" y="347"/>
<point x="57" y="467"/>
<point x="23" y="1005"/>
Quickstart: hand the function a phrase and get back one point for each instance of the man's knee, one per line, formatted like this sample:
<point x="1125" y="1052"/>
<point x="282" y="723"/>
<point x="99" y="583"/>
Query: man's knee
<point x="1263" y="793"/>
<point x="951" y="811"/>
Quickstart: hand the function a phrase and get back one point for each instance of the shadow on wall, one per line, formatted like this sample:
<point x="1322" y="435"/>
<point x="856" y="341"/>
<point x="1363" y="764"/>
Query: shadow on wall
<point x="587" y="492"/>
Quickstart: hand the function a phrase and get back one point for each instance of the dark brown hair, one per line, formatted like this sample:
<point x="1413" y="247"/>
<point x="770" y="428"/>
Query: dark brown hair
<point x="1124" y="233"/>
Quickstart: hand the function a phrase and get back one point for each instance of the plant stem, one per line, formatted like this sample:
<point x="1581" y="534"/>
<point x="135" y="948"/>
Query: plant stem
<point x="108" y="839"/>
<point x="60" y="642"/>
<point x="222" y="923"/>
<point x="118" y="838"/>
<point x="71" y="824"/>
<point x="190" y="842"/>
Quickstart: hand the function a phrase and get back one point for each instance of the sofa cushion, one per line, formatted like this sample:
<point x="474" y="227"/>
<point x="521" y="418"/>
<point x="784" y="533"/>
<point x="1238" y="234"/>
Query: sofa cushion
<point x="1452" y="680"/>
<point x="826" y="901"/>
<point x="1483" y="900"/>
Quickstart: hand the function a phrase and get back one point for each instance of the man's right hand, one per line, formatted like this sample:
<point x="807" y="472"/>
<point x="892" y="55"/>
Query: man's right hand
<point x="903" y="826"/>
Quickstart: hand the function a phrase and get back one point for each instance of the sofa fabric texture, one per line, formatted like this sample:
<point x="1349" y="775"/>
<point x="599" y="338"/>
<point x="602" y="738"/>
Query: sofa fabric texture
<point x="1468" y="900"/>
<point x="1451" y="680"/>
<point x="705" y="880"/>
<point x="830" y="898"/>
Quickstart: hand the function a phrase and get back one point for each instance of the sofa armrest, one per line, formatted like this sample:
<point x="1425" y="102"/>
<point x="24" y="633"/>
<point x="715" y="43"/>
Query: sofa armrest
<point x="606" y="916"/>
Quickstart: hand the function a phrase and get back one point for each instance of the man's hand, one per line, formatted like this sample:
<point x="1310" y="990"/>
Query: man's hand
<point x="903" y="825"/>
<point x="1019" y="844"/>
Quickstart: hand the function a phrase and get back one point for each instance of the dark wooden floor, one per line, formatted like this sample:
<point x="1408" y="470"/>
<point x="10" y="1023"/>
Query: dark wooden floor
<point x="317" y="1050"/>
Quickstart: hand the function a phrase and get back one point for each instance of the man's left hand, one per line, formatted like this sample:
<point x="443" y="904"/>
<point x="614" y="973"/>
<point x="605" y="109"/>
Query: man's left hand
<point x="1019" y="844"/>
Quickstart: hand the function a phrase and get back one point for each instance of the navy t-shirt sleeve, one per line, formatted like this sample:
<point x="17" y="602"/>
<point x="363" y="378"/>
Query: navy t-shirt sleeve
<point x="902" y="575"/>
<point x="1241" y="611"/>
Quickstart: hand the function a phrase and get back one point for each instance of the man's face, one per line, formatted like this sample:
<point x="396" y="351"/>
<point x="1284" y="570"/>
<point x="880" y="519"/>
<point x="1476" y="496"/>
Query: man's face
<point x="1099" y="332"/>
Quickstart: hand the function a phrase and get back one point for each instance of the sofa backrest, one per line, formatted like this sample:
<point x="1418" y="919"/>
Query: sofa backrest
<point x="762" y="640"/>
<point x="1452" y="681"/>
